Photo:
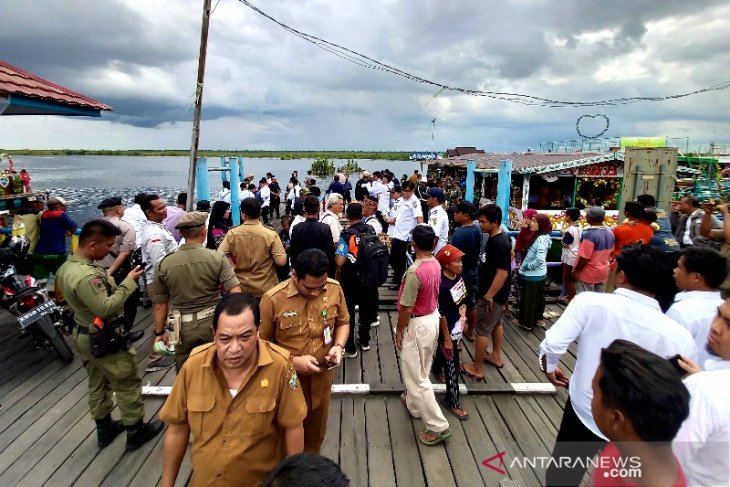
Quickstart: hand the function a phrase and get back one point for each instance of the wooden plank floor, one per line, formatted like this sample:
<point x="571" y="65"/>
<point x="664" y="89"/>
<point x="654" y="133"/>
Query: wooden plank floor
<point x="47" y="436"/>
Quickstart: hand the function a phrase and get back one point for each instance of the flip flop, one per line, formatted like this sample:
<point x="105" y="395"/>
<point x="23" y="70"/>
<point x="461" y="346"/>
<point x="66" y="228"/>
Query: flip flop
<point x="470" y="375"/>
<point x="488" y="360"/>
<point x="463" y="417"/>
<point x="437" y="437"/>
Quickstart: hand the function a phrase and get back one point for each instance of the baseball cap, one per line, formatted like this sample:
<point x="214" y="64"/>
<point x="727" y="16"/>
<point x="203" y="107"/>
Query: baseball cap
<point x="436" y="193"/>
<point x="595" y="213"/>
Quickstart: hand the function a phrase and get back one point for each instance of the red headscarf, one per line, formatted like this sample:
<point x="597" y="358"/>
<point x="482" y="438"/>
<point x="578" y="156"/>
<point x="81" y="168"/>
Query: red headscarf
<point x="524" y="237"/>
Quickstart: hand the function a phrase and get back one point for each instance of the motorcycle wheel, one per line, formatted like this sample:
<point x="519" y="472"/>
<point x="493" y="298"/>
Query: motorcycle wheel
<point x="49" y="332"/>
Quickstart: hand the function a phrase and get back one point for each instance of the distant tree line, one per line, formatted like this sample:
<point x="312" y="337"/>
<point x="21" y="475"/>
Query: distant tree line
<point x="285" y="155"/>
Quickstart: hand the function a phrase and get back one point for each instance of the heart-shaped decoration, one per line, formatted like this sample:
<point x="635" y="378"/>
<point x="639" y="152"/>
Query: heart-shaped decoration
<point x="599" y="116"/>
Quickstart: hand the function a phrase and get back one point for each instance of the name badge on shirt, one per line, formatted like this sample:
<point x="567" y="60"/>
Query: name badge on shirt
<point x="327" y="335"/>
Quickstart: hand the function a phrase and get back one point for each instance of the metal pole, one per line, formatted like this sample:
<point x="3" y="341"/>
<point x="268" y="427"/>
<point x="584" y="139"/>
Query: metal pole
<point x="198" y="101"/>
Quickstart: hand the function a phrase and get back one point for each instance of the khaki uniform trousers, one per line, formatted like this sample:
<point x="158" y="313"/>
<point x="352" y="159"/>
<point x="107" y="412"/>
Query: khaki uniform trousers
<point x="420" y="339"/>
<point x="192" y="334"/>
<point x="116" y="373"/>
<point x="317" y="390"/>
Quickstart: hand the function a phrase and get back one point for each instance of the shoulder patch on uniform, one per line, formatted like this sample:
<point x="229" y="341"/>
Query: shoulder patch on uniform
<point x="97" y="284"/>
<point x="293" y="379"/>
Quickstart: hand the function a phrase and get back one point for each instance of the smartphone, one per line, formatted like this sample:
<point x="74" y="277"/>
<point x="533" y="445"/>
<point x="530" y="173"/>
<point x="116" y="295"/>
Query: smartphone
<point x="674" y="361"/>
<point x="327" y="365"/>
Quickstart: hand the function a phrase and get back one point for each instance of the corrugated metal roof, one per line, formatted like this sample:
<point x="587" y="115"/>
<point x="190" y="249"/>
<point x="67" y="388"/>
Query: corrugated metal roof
<point x="15" y="81"/>
<point x="532" y="162"/>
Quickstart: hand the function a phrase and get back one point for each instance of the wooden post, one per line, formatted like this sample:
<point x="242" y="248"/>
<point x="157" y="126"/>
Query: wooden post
<point x="198" y="101"/>
<point x="235" y="200"/>
<point x="504" y="188"/>
<point x="470" y="166"/>
<point x="202" y="181"/>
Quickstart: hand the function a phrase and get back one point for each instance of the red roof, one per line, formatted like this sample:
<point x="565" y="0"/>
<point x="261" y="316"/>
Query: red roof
<point x="15" y="81"/>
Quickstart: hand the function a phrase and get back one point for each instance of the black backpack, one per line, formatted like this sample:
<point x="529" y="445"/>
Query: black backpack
<point x="372" y="257"/>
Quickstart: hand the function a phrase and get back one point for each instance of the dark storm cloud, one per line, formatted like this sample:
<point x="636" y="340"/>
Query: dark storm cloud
<point x="141" y="57"/>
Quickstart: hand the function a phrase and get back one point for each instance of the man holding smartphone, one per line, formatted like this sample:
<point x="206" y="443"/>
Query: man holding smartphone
<point x="92" y="294"/>
<point x="307" y="315"/>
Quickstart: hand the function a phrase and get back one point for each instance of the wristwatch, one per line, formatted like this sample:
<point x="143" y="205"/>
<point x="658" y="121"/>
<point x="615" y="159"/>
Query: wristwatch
<point x="339" y="345"/>
<point x="159" y="333"/>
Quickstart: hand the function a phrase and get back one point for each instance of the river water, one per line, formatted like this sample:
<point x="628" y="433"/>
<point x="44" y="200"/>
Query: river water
<point x="86" y="180"/>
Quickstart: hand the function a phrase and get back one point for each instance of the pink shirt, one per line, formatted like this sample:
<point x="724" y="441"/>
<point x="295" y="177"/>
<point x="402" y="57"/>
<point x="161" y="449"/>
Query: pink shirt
<point x="420" y="287"/>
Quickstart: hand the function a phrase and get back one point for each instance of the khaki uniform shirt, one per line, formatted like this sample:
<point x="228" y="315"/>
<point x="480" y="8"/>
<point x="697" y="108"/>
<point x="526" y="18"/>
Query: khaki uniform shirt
<point x="236" y="440"/>
<point x="253" y="246"/>
<point x="298" y="324"/>
<point x="126" y="242"/>
<point x="28" y="225"/>
<point x="191" y="278"/>
<point x="90" y="291"/>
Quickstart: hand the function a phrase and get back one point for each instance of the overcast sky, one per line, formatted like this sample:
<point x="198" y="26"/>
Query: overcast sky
<point x="267" y="89"/>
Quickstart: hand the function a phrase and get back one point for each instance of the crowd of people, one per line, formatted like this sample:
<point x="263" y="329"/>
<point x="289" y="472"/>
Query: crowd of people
<point x="255" y="320"/>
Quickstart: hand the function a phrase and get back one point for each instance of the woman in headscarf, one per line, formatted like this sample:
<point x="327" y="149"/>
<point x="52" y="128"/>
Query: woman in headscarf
<point x="533" y="274"/>
<point x="525" y="235"/>
<point x="522" y="240"/>
<point x="219" y="224"/>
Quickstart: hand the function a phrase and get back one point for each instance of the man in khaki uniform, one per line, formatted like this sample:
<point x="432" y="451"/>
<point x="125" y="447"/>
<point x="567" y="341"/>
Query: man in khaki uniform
<point x="256" y="248"/>
<point x="117" y="262"/>
<point x="91" y="293"/>
<point x="241" y="399"/>
<point x="190" y="281"/>
<point x="307" y="315"/>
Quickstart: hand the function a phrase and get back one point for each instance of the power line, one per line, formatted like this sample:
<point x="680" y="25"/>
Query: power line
<point x="367" y="62"/>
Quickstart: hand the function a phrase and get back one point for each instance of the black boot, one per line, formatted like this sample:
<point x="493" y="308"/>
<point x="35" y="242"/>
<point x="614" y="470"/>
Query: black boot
<point x="141" y="433"/>
<point x="107" y="430"/>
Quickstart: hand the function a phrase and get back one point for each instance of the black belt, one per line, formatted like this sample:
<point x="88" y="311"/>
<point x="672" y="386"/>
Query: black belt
<point x="419" y="316"/>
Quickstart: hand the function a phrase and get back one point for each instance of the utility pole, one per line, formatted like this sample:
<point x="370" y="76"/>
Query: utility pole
<point x="198" y="104"/>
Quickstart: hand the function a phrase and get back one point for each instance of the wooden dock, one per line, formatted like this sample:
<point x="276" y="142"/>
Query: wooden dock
<point x="48" y="438"/>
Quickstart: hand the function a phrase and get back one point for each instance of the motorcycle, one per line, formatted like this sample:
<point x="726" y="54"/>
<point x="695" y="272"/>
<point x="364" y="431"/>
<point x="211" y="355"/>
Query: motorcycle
<point x="38" y="315"/>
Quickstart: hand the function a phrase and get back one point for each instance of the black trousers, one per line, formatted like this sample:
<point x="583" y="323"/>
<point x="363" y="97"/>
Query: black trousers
<point x="275" y="205"/>
<point x="449" y="367"/>
<point x="398" y="249"/>
<point x="574" y="440"/>
<point x="367" y="300"/>
<point x="130" y="305"/>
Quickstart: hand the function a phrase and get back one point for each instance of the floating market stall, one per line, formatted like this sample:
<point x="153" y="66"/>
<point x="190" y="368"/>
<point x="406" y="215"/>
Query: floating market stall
<point x="547" y="182"/>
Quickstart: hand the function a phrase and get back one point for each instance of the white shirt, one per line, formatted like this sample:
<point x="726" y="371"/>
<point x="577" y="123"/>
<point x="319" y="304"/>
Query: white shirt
<point x="373" y="222"/>
<point x="570" y="252"/>
<point x="135" y="217"/>
<point x="439" y="221"/>
<point x="405" y="218"/>
<point x="293" y="193"/>
<point x="332" y="221"/>
<point x="295" y="221"/>
<point x="381" y="191"/>
<point x="686" y="240"/>
<point x="157" y="242"/>
<point x="695" y="311"/>
<point x="595" y="320"/>
<point x="702" y="444"/>
<point x="391" y="214"/>
<point x="265" y="196"/>
<point x="224" y="195"/>
<point x="245" y="193"/>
